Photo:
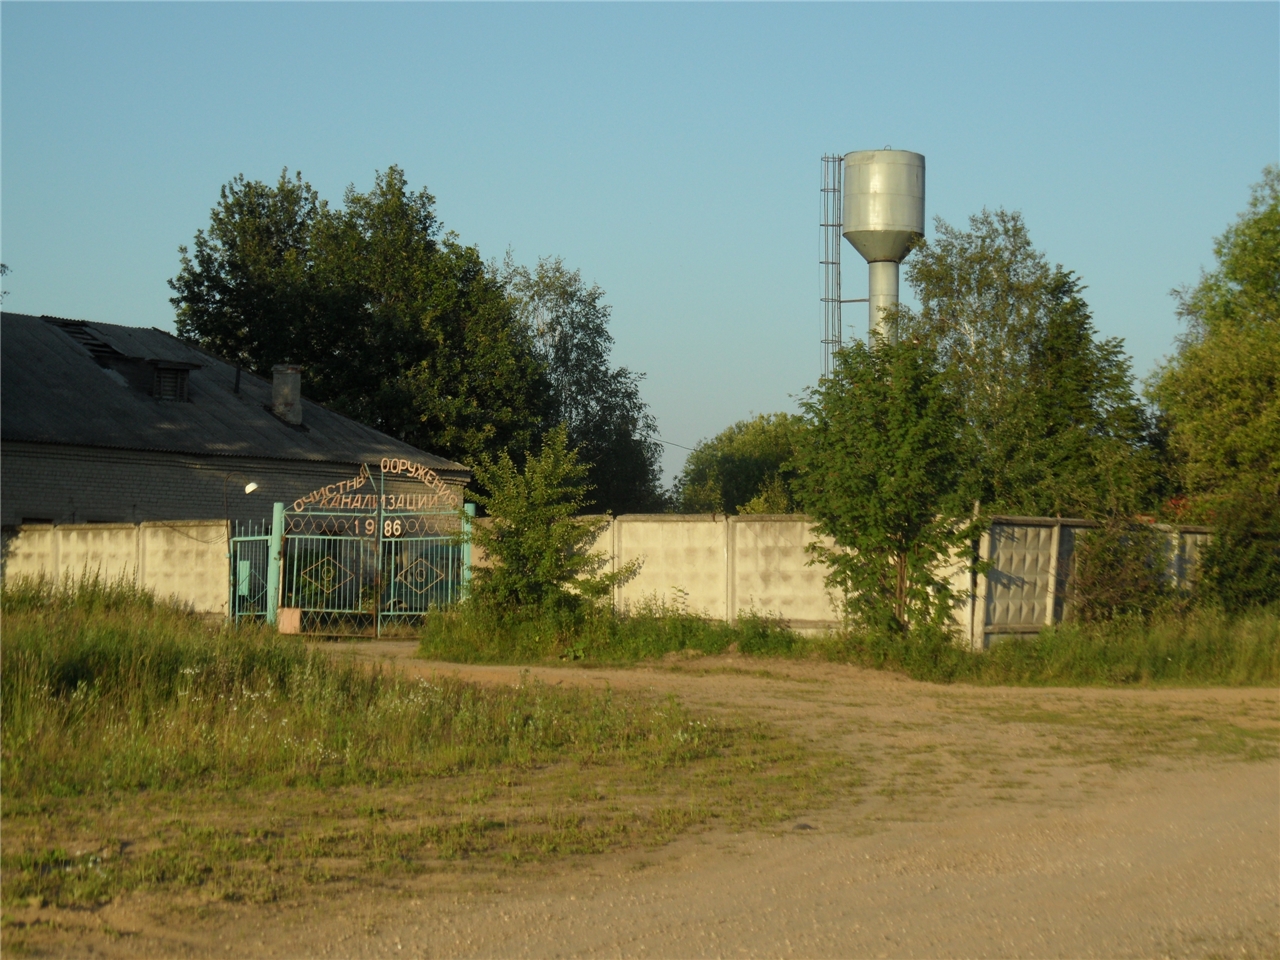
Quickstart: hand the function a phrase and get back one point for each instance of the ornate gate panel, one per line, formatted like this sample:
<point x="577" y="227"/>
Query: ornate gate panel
<point x="330" y="572"/>
<point x="422" y="561"/>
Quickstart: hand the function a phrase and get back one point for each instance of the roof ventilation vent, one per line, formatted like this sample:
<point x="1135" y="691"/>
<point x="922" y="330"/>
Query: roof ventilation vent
<point x="171" y="384"/>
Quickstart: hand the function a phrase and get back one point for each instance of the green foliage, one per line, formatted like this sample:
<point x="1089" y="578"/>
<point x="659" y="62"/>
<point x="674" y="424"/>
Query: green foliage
<point x="1220" y="399"/>
<point x="536" y="547"/>
<point x="1220" y="393"/>
<point x="1051" y="423"/>
<point x="105" y="690"/>
<point x="1240" y="565"/>
<point x="1203" y="647"/>
<point x="745" y="469"/>
<point x="596" y="635"/>
<point x="1119" y="571"/>
<point x="878" y="469"/>
<point x="607" y="422"/>
<point x="397" y="325"/>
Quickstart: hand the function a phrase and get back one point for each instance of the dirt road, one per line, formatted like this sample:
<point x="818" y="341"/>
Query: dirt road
<point x="979" y="822"/>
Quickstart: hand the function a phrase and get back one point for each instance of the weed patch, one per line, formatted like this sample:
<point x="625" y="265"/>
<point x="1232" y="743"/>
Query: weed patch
<point x="1201" y="647"/>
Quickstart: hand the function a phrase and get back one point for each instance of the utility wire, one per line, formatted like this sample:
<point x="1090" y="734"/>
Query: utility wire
<point x="670" y="444"/>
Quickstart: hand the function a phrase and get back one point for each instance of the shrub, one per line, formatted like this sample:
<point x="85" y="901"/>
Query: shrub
<point x="538" y="550"/>
<point x="1240" y="566"/>
<point x="1119" y="571"/>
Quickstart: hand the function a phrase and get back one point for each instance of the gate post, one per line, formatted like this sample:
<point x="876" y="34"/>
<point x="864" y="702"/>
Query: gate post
<point x="275" y="560"/>
<point x="468" y="511"/>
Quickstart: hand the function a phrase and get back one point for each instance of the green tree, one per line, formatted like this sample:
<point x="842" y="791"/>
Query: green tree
<point x="878" y="471"/>
<point x="1220" y="392"/>
<point x="1220" y="397"/>
<point x="599" y="404"/>
<point x="396" y="324"/>
<point x="536" y="546"/>
<point x="1051" y="421"/>
<point x="744" y="469"/>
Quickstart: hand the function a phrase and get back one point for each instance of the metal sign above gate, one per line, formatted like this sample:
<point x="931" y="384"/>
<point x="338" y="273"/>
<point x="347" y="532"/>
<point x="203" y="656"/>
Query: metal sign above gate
<point x="353" y="495"/>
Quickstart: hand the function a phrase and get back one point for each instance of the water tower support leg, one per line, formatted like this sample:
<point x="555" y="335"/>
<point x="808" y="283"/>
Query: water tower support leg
<point x="882" y="292"/>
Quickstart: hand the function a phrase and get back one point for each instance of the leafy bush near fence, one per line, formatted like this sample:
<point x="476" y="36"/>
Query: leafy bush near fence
<point x="106" y="689"/>
<point x="1240" y="566"/>
<point x="1119" y="572"/>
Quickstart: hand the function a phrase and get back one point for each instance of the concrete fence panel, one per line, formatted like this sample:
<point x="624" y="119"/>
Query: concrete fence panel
<point x="770" y="573"/>
<point x="187" y="561"/>
<point x="109" y="550"/>
<point x="32" y="550"/>
<point x="682" y="561"/>
<point x="1019" y="596"/>
<point x="184" y="561"/>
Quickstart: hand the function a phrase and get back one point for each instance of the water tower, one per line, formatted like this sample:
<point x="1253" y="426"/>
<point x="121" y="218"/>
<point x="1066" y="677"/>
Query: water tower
<point x="875" y="200"/>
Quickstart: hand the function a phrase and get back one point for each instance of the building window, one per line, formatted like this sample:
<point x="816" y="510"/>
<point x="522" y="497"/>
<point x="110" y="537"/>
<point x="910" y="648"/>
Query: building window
<point x="170" y="385"/>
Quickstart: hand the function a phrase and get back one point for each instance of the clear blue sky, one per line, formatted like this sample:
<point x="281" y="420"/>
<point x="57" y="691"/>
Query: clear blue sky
<point x="670" y="152"/>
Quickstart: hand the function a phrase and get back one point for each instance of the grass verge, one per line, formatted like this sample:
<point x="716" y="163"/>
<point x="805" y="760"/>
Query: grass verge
<point x="595" y="634"/>
<point x="142" y="749"/>
<point x="1203" y="646"/>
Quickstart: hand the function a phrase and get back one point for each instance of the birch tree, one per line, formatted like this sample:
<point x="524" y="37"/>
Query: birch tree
<point x="1051" y="423"/>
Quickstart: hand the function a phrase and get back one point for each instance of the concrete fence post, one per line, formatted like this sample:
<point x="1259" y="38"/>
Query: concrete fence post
<point x="275" y="561"/>
<point x="979" y="635"/>
<point x="731" y="570"/>
<point x="1055" y="546"/>
<point x="468" y="513"/>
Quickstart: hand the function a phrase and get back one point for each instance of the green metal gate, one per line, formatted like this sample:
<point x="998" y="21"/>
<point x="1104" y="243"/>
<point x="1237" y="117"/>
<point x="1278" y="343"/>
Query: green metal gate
<point x="422" y="565"/>
<point x="362" y="563"/>
<point x="250" y="555"/>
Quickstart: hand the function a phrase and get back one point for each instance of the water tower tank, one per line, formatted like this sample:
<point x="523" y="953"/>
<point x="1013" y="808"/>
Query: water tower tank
<point x="883" y="216"/>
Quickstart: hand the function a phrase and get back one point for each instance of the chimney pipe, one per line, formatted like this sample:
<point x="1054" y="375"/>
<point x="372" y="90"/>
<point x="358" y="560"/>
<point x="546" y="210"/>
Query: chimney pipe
<point x="286" y="392"/>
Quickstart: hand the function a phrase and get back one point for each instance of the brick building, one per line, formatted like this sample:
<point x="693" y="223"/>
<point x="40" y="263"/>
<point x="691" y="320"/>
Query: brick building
<point x="101" y="423"/>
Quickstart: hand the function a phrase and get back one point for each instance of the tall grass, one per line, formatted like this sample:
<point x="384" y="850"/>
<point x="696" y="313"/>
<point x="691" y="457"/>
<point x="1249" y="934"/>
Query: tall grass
<point x="1200" y="646"/>
<point x="106" y="689"/>
<point x="474" y="634"/>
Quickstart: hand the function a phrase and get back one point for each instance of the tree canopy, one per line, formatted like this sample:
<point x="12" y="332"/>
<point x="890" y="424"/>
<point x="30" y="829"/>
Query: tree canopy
<point x="403" y="327"/>
<point x="1051" y="423"/>
<point x="744" y="469"/>
<point x="1220" y="397"/>
<point x="1220" y="392"/>
<point x="599" y="404"/>
<point x="397" y="324"/>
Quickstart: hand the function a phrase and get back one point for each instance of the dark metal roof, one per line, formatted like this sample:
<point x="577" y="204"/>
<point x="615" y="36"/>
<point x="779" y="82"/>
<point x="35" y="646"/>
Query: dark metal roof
<point x="60" y="383"/>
